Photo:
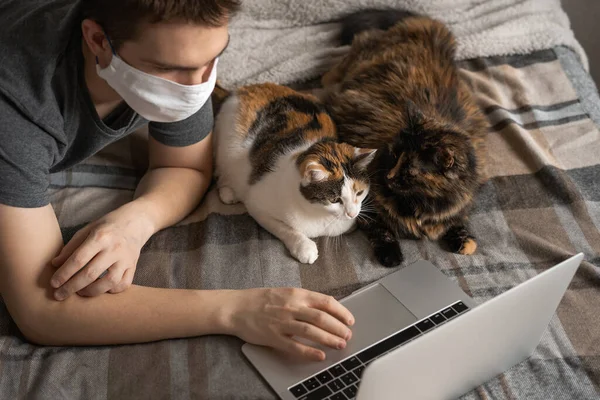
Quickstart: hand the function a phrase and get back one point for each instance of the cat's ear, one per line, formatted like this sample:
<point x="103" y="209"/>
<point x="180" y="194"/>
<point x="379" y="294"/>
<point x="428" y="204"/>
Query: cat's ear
<point x="415" y="117"/>
<point x="444" y="158"/>
<point x="363" y="157"/>
<point x="314" y="172"/>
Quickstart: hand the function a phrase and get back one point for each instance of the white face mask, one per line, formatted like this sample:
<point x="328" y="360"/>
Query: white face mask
<point x="156" y="99"/>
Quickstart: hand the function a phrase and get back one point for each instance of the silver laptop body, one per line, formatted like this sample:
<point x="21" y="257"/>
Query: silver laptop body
<point x="419" y="336"/>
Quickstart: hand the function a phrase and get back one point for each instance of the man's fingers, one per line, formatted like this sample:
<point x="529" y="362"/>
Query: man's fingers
<point x="85" y="276"/>
<point x="70" y="247"/>
<point x="332" y="307"/>
<point x="113" y="277"/>
<point x="125" y="282"/>
<point x="314" y="334"/>
<point x="324" y="321"/>
<point x="78" y="259"/>
<point x="299" y="350"/>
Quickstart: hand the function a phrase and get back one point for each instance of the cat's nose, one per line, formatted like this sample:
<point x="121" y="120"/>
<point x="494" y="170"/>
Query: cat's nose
<point x="351" y="214"/>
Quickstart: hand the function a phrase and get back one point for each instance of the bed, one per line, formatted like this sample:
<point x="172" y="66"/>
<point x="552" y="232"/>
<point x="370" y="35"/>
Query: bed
<point x="540" y="206"/>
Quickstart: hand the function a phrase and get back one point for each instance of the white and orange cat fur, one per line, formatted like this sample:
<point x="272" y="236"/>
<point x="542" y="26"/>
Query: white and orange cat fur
<point x="276" y="151"/>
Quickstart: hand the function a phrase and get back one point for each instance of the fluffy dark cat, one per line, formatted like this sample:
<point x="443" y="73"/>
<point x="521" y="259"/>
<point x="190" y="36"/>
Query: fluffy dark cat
<point x="399" y="91"/>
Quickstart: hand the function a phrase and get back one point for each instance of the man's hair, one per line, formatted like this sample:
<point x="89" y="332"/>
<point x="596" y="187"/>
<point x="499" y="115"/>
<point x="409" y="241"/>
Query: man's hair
<point x="121" y="18"/>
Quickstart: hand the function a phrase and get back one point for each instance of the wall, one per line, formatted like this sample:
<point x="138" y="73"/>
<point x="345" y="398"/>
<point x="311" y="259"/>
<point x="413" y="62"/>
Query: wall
<point x="585" y="22"/>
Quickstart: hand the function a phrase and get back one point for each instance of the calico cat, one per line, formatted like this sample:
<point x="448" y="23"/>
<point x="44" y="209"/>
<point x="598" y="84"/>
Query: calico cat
<point x="399" y="91"/>
<point x="277" y="152"/>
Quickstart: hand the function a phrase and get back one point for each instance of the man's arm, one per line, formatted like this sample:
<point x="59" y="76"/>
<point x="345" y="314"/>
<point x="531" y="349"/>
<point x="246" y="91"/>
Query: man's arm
<point x="269" y="317"/>
<point x="176" y="181"/>
<point x="29" y="238"/>
<point x="174" y="185"/>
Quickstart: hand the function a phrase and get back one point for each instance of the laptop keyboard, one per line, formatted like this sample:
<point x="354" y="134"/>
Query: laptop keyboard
<point x="340" y="382"/>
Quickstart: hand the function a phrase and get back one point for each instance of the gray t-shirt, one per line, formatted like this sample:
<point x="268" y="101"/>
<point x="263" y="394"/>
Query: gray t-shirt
<point x="47" y="119"/>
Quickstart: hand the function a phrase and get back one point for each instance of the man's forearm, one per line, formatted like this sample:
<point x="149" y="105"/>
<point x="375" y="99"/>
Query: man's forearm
<point x="167" y="195"/>
<point x="139" y="314"/>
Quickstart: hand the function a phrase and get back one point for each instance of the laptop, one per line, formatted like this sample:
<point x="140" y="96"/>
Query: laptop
<point x="417" y="335"/>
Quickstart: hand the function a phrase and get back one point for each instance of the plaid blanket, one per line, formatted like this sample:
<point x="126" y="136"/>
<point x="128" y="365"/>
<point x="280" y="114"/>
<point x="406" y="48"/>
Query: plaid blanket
<point x="541" y="205"/>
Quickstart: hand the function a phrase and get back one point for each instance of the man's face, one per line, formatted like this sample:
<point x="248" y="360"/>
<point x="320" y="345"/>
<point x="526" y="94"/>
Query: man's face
<point x="180" y="52"/>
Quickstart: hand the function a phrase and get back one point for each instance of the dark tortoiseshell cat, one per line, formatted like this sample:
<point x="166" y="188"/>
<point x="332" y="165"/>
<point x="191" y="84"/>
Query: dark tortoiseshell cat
<point x="399" y="91"/>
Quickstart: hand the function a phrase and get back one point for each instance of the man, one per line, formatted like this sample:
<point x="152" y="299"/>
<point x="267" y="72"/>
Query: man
<point x="74" y="77"/>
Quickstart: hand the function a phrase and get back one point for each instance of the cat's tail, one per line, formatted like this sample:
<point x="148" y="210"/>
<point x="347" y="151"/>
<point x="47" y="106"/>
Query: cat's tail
<point x="367" y="19"/>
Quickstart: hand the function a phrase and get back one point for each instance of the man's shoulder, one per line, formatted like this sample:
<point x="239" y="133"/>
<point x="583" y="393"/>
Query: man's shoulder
<point x="39" y="27"/>
<point x="34" y="37"/>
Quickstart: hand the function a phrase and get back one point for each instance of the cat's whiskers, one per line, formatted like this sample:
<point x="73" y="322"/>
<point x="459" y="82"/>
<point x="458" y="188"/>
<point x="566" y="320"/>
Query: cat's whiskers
<point x="368" y="209"/>
<point x="365" y="218"/>
<point x="334" y="219"/>
<point x="367" y="204"/>
<point x="337" y="240"/>
<point x="373" y="173"/>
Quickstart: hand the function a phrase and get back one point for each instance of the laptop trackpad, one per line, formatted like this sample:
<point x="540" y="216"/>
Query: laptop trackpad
<point x="378" y="314"/>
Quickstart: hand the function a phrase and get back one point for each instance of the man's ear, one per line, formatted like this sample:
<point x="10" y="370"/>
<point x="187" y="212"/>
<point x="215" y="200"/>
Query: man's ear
<point x="97" y="42"/>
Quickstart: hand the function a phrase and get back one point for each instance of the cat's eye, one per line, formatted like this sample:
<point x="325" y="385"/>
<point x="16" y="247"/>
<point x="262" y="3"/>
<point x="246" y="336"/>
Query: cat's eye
<point x="360" y="193"/>
<point x="338" y="200"/>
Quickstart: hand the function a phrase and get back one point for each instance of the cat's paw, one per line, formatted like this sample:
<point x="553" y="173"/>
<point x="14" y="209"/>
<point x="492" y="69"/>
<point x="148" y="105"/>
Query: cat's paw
<point x="467" y="246"/>
<point x="461" y="242"/>
<point x="227" y="195"/>
<point x="389" y="254"/>
<point x="305" y="251"/>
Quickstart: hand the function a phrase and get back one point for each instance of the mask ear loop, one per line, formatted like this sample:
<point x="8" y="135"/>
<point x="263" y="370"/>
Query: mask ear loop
<point x="110" y="44"/>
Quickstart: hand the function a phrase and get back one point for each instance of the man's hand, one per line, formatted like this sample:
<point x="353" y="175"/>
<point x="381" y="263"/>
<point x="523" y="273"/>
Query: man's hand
<point x="107" y="249"/>
<point x="274" y="317"/>
<point x="174" y="185"/>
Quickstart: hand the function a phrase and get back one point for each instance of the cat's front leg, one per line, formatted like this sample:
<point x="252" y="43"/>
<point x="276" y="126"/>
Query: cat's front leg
<point x="303" y="249"/>
<point x="227" y="195"/>
<point x="299" y="245"/>
<point x="460" y="240"/>
<point x="384" y="241"/>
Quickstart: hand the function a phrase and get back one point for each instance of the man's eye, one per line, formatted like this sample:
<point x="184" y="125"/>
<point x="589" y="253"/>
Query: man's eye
<point x="360" y="193"/>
